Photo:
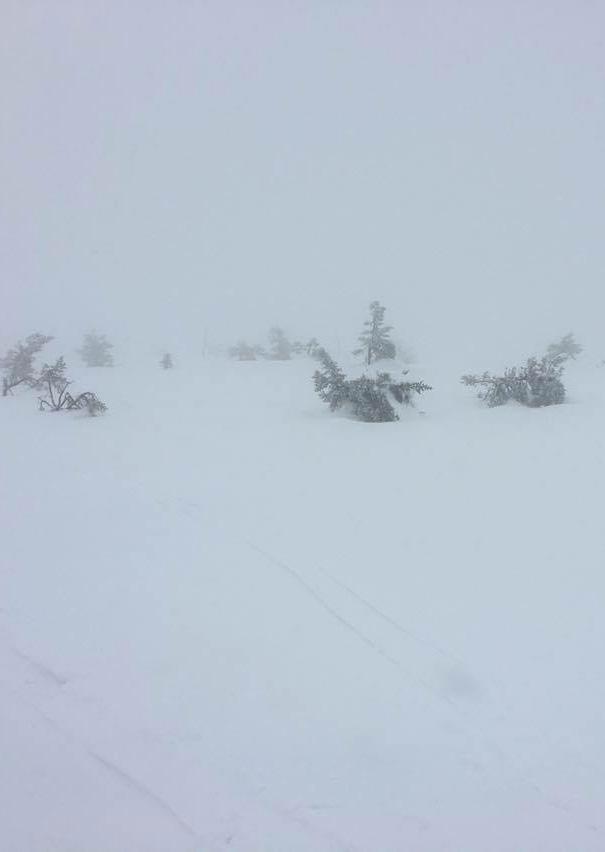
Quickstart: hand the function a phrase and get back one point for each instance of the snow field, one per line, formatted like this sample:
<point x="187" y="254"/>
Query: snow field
<point x="232" y="620"/>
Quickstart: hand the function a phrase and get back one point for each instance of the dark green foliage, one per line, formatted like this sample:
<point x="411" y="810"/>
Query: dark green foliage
<point x="369" y="399"/>
<point x="18" y="363"/>
<point x="543" y="381"/>
<point x="403" y="391"/>
<point x="330" y="381"/>
<point x="375" y="338"/>
<point x="566" y="346"/>
<point x="538" y="383"/>
<point x="494" y="390"/>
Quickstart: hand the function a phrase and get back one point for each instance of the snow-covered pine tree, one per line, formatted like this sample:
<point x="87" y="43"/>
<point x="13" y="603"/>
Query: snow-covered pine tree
<point x="493" y="390"/>
<point x="369" y="399"/>
<point x="167" y="363"/>
<point x="375" y="339"/>
<point x="18" y="363"/>
<point x="536" y="384"/>
<point x="330" y="382"/>
<point x="96" y="350"/>
<point x="543" y="379"/>
<point x="281" y="348"/>
<point x="404" y="391"/>
<point x="566" y="346"/>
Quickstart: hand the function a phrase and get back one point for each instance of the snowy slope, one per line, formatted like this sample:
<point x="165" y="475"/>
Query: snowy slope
<point x="231" y="620"/>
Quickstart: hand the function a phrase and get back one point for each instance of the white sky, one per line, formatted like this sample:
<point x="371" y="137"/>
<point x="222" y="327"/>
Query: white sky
<point x="173" y="166"/>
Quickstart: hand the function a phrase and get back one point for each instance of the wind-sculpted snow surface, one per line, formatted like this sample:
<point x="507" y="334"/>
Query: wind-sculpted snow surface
<point x="232" y="621"/>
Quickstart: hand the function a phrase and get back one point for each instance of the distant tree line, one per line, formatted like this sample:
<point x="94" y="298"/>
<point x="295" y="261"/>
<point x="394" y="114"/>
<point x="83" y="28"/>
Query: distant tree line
<point x="372" y="397"/>
<point x="279" y="348"/>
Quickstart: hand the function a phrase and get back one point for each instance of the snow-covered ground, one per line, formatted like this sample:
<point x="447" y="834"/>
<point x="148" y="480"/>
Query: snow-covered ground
<point x="231" y="620"/>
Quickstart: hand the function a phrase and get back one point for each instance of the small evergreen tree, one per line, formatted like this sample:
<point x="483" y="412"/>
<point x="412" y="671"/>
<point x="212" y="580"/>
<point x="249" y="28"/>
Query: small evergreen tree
<point x="536" y="384"/>
<point x="369" y="399"/>
<point x="166" y="363"/>
<point x="330" y="381"/>
<point x="18" y="363"/>
<point x="375" y="340"/>
<point x="96" y="350"/>
<point x="566" y="346"/>
<point x="281" y="348"/>
<point x="542" y="380"/>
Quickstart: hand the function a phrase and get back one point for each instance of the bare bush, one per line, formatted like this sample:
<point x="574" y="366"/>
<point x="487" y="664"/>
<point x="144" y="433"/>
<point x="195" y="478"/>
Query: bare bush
<point x="58" y="398"/>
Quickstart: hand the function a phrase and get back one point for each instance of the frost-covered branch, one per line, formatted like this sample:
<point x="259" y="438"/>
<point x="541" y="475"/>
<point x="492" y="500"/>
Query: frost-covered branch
<point x="537" y="383"/>
<point x="18" y="363"/>
<point x="58" y="398"/>
<point x="369" y="399"/>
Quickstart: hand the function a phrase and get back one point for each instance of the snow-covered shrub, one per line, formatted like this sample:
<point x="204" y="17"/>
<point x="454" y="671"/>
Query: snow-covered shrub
<point x="566" y="346"/>
<point x="368" y="398"/>
<point x="53" y="381"/>
<point x="18" y="363"/>
<point x="544" y="381"/>
<point x="375" y="339"/>
<point x="281" y="348"/>
<point x="96" y="350"/>
<point x="243" y="351"/>
<point x="536" y="384"/>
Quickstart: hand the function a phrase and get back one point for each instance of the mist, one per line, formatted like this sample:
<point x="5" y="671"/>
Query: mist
<point x="268" y="581"/>
<point x="174" y="167"/>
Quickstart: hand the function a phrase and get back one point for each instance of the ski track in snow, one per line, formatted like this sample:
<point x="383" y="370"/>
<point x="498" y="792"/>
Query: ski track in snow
<point x="348" y="625"/>
<point x="143" y="790"/>
<point x="41" y="669"/>
<point x="346" y="608"/>
<point x="391" y="621"/>
<point x="124" y="777"/>
<point x="129" y="781"/>
<point x="475" y="732"/>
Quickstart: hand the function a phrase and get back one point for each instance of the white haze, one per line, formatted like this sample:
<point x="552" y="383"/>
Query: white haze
<point x="170" y="167"/>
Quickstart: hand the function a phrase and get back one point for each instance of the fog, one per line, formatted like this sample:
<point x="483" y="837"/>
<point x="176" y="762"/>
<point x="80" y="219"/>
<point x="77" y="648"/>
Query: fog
<point x="175" y="167"/>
